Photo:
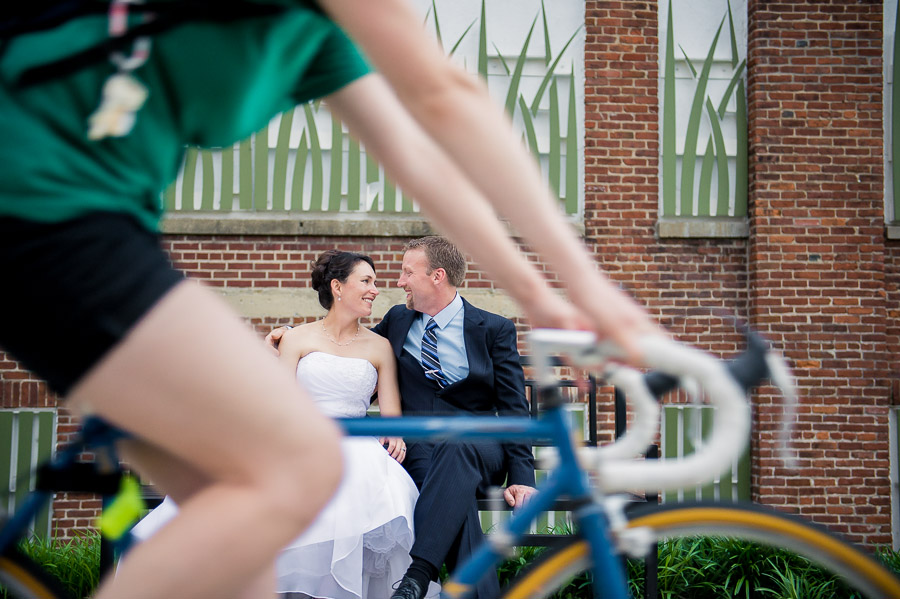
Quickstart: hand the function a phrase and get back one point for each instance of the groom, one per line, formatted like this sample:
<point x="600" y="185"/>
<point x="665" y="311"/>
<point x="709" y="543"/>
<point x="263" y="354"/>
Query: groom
<point x="453" y="358"/>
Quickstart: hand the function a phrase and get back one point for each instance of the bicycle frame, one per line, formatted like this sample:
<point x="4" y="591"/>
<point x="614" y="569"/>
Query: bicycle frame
<point x="568" y="479"/>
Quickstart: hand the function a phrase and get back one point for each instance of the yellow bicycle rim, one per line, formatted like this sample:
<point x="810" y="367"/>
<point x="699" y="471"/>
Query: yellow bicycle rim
<point x="752" y="524"/>
<point x="24" y="579"/>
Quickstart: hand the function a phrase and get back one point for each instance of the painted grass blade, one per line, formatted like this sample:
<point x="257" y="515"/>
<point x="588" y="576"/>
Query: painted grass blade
<point x="188" y="175"/>
<point x="513" y="91"/>
<point x="317" y="197"/>
<point x="724" y="187"/>
<point x="208" y="186"/>
<point x="530" y="135"/>
<point x="373" y="175"/>
<point x="168" y="197"/>
<point x="669" y="155"/>
<point x="548" y="53"/>
<point x="482" y="43"/>
<point x="261" y="170"/>
<point x="689" y="158"/>
<point x="704" y="195"/>
<point x="464" y="33"/>
<point x="741" y="174"/>
<point x="282" y="149"/>
<point x="226" y="189"/>
<point x="548" y="76"/>
<point x="300" y="159"/>
<point x="437" y="24"/>
<point x="690" y="64"/>
<point x="337" y="165"/>
<point x="353" y="175"/>
<point x="502" y="60"/>
<point x="572" y="158"/>
<point x="554" y="166"/>
<point x="735" y="79"/>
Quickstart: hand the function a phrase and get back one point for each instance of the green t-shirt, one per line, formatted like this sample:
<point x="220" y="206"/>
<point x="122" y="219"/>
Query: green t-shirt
<point x="210" y="84"/>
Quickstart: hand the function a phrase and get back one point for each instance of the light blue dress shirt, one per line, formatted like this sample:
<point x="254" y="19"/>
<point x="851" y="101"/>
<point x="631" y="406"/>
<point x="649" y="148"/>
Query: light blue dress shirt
<point x="451" y="342"/>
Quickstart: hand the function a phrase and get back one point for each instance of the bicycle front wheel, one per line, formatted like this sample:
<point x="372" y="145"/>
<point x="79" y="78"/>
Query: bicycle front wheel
<point x="21" y="578"/>
<point x="750" y="522"/>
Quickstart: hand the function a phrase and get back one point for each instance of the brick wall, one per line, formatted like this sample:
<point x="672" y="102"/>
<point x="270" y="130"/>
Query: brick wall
<point x="817" y="254"/>
<point x="816" y="273"/>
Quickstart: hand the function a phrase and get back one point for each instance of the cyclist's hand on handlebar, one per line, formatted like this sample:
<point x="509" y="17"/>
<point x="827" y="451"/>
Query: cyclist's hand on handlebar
<point x="618" y="318"/>
<point x="518" y="495"/>
<point x="274" y="338"/>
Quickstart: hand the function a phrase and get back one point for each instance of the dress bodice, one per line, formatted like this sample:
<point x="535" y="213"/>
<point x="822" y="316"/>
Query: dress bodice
<point x="340" y="386"/>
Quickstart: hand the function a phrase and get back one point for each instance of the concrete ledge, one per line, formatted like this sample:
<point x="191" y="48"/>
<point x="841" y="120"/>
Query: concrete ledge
<point x="319" y="225"/>
<point x="332" y="225"/>
<point x="289" y="304"/>
<point x="892" y="231"/>
<point x="725" y="227"/>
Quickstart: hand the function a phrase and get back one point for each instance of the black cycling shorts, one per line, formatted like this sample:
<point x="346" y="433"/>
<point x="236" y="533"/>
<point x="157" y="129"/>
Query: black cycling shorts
<point x="72" y="290"/>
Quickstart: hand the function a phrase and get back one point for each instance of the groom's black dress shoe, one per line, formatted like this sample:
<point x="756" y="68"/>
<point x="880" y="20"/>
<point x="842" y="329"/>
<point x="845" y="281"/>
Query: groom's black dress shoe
<point x="408" y="589"/>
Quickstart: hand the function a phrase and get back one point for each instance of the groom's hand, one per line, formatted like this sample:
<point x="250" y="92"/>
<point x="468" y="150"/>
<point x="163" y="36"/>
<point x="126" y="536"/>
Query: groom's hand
<point x="274" y="338"/>
<point x="518" y="495"/>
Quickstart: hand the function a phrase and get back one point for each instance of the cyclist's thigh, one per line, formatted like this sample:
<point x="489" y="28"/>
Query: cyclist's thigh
<point x="193" y="380"/>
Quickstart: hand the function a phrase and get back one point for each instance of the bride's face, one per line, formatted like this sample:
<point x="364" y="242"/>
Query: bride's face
<point x="359" y="291"/>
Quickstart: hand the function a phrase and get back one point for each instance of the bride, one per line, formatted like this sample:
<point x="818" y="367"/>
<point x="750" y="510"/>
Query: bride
<point x="358" y="546"/>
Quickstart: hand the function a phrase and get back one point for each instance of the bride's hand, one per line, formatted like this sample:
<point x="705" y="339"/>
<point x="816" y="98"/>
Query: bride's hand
<point x="395" y="446"/>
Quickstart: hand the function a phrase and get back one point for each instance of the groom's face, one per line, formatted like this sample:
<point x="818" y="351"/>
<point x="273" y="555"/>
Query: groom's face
<point x="416" y="280"/>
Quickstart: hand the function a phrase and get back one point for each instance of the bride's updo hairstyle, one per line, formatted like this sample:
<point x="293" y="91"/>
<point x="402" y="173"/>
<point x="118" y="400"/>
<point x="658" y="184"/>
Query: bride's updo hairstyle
<point x="334" y="264"/>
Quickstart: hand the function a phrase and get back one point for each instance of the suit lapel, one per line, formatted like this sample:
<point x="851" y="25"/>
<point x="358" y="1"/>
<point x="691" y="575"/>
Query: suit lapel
<point x="473" y="333"/>
<point x="398" y="332"/>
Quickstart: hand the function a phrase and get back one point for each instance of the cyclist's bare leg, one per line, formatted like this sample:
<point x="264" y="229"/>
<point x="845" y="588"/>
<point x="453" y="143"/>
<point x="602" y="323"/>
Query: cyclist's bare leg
<point x="181" y="481"/>
<point x="166" y="471"/>
<point x="191" y="379"/>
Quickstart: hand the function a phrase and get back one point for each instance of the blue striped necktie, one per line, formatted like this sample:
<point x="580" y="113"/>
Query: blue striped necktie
<point x="430" y="360"/>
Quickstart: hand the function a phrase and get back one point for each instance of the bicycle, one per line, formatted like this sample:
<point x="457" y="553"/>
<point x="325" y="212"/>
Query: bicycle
<point x="608" y="525"/>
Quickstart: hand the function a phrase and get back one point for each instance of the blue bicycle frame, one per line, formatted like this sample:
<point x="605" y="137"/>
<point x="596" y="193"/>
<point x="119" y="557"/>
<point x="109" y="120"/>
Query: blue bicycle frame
<point x="567" y="480"/>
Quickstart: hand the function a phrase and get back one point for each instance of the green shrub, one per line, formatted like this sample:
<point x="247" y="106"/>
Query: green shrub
<point x="717" y="568"/>
<point x="690" y="568"/>
<point x="74" y="562"/>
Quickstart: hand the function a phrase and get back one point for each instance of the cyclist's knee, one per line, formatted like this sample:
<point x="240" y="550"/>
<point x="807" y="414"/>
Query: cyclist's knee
<point x="305" y="474"/>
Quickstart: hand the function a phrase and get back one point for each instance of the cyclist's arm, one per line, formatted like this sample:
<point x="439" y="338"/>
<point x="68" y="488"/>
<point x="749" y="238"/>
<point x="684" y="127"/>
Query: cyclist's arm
<point x="474" y="135"/>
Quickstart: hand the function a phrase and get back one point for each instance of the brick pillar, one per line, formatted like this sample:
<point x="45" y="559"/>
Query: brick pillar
<point x="816" y="255"/>
<point x="621" y="147"/>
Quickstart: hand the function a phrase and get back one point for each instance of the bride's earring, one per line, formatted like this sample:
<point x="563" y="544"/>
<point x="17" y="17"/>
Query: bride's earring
<point x="339" y="298"/>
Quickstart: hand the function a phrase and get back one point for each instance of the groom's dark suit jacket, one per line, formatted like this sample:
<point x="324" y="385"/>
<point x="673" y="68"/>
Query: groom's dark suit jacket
<point x="495" y="384"/>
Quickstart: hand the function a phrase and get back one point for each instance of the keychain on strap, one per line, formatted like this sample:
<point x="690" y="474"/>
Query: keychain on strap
<point x="123" y="94"/>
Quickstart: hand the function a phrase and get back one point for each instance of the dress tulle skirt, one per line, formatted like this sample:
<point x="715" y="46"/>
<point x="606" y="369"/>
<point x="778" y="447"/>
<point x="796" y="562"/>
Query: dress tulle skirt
<point x="358" y="546"/>
<point x="362" y="537"/>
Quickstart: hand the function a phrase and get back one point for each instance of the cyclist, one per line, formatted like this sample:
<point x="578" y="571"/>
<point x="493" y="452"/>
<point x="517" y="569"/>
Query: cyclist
<point x="93" y="129"/>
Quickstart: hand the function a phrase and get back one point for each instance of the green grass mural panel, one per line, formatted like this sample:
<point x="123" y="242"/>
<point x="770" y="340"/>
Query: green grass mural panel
<point x="284" y="177"/>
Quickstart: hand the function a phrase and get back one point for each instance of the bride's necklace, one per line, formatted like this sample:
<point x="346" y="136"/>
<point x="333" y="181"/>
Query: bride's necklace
<point x="335" y="341"/>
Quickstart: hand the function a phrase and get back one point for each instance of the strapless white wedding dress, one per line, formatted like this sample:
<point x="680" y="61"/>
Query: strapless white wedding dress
<point x="358" y="546"/>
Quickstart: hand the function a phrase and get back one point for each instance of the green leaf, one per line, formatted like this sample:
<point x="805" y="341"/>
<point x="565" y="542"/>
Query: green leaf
<point x="226" y="187"/>
<point x="315" y="152"/>
<point x="464" y="33"/>
<point x="669" y="154"/>
<point x="188" y="174"/>
<point x="529" y="127"/>
<point x="548" y="76"/>
<point x="513" y="91"/>
<point x="337" y="165"/>
<point x="299" y="174"/>
<point x="482" y="43"/>
<point x="282" y="149"/>
<point x="437" y="25"/>
<point x="261" y="169"/>
<point x="689" y="157"/>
